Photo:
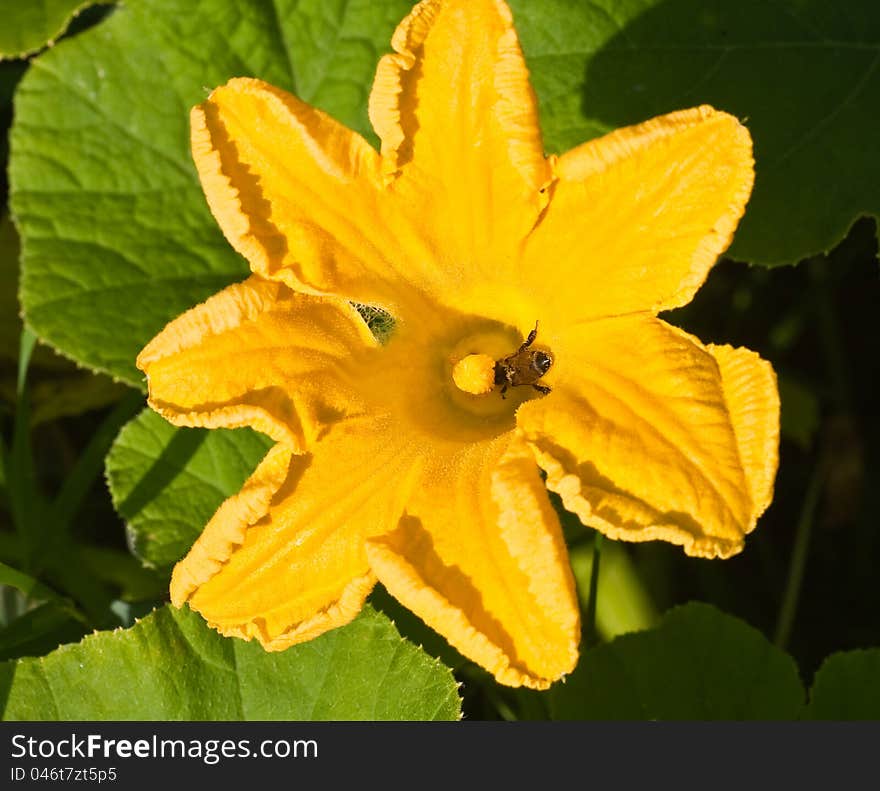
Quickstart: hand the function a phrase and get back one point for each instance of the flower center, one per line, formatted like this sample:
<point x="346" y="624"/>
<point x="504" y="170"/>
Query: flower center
<point x="463" y="385"/>
<point x="490" y="364"/>
<point x="474" y="374"/>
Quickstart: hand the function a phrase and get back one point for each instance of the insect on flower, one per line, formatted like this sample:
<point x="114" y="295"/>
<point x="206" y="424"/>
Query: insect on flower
<point x="524" y="367"/>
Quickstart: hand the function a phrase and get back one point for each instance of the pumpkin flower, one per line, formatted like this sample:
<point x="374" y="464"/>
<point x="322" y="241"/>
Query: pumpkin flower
<point x="525" y="290"/>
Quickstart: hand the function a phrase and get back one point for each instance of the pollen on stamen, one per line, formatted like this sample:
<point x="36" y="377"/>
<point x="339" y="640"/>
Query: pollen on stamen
<point x="474" y="374"/>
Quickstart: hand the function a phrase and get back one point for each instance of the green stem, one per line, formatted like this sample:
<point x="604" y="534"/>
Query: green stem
<point x="591" y="634"/>
<point x="58" y="546"/>
<point x="622" y="602"/>
<point x="25" y="349"/>
<point x="789" y="605"/>
<point x="34" y="590"/>
<point x="90" y="593"/>
<point x="24" y="500"/>
<point x="91" y="462"/>
<point x="505" y="711"/>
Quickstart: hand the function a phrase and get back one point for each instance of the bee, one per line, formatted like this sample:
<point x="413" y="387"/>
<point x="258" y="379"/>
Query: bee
<point x="524" y="367"/>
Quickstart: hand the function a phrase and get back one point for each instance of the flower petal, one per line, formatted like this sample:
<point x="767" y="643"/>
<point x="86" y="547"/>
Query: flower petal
<point x="648" y="434"/>
<point x="457" y="117"/>
<point x="296" y="193"/>
<point x="479" y="556"/>
<point x="257" y="354"/>
<point x="284" y="560"/>
<point x="752" y="397"/>
<point x="638" y="217"/>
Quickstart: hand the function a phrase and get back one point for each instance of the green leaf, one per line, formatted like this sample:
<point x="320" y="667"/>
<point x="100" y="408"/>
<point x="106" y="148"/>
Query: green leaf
<point x="172" y="666"/>
<point x="847" y="687"/>
<point x="34" y="630"/>
<point x="32" y="588"/>
<point x="116" y="236"/>
<point x="39" y="630"/>
<point x="10" y="74"/>
<point x="803" y="74"/>
<point x="166" y="482"/>
<point x="29" y="26"/>
<point x="698" y="664"/>
<point x="56" y="386"/>
<point x="622" y="602"/>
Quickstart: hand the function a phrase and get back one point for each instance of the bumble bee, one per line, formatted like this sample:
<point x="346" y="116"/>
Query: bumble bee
<point x="524" y="367"/>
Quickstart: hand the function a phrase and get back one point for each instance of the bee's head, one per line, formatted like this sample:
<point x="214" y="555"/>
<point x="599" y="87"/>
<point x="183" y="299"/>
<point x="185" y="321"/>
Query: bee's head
<point x="541" y="362"/>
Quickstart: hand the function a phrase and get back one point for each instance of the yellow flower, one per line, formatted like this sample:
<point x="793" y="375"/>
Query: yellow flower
<point x="405" y="462"/>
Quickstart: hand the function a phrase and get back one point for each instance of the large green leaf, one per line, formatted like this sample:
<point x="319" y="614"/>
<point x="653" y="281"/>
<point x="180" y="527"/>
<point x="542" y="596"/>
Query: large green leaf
<point x="166" y="482"/>
<point x="698" y="664"/>
<point x="803" y="74"/>
<point x="847" y="687"/>
<point x="10" y="74"/>
<point x="57" y="387"/>
<point x="29" y="26"/>
<point x="117" y="239"/>
<point x="171" y="666"/>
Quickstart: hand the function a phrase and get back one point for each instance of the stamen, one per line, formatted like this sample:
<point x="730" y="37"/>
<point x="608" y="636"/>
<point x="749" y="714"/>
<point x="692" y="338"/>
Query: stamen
<point x="474" y="374"/>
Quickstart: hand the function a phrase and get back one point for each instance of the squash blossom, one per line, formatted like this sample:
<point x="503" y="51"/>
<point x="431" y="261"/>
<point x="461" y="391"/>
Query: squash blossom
<point x="525" y="290"/>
